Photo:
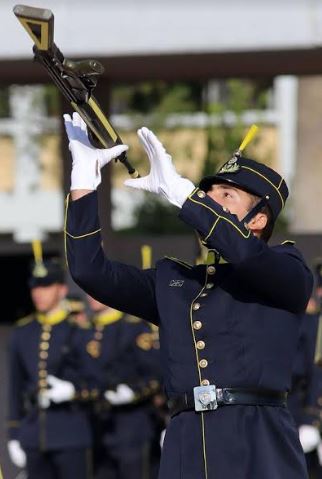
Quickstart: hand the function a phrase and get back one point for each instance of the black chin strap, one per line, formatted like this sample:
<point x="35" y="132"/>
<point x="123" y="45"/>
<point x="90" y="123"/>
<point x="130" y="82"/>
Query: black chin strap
<point x="255" y="210"/>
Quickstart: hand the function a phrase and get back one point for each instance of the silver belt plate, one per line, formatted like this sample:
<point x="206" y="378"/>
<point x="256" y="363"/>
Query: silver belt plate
<point x="205" y="398"/>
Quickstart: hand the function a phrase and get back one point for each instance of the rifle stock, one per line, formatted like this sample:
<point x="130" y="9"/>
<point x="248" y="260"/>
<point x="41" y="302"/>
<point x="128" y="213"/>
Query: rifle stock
<point x="75" y="79"/>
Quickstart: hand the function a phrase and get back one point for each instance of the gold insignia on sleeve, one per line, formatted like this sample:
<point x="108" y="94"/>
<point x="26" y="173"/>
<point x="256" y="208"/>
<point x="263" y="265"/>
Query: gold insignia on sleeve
<point x="93" y="348"/>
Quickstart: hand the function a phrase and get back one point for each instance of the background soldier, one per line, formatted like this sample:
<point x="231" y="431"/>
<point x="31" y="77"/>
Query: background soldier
<point x="224" y="326"/>
<point x="49" y="433"/>
<point x="122" y="378"/>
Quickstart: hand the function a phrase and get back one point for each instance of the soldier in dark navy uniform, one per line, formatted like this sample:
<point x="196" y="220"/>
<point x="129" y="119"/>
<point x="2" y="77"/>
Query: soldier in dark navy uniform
<point x="228" y="329"/>
<point x="49" y="433"/>
<point x="120" y="380"/>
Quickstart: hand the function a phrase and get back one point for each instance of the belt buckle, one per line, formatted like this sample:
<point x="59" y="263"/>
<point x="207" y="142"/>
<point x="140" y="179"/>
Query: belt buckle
<point x="205" y="398"/>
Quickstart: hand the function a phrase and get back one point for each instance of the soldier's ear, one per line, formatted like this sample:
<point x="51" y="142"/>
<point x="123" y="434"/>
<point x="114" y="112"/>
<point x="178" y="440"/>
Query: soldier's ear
<point x="258" y="223"/>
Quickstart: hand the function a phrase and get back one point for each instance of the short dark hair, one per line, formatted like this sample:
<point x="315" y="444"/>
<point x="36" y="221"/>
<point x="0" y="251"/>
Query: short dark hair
<point x="266" y="233"/>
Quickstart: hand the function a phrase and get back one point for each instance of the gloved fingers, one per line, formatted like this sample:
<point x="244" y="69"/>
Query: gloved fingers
<point x="77" y="120"/>
<point x="52" y="380"/>
<point x="109" y="154"/>
<point x="155" y="144"/>
<point x="69" y="127"/>
<point x="142" y="137"/>
<point x="138" y="183"/>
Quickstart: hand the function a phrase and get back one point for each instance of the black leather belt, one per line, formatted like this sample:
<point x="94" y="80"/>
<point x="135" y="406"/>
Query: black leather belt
<point x="231" y="397"/>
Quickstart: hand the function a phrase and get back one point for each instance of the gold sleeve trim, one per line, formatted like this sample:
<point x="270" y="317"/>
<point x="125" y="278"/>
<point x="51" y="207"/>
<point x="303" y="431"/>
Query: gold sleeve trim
<point x="84" y="235"/>
<point x="246" y="236"/>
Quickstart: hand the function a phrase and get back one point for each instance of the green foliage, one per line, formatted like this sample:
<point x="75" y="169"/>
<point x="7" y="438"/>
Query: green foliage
<point x="156" y="217"/>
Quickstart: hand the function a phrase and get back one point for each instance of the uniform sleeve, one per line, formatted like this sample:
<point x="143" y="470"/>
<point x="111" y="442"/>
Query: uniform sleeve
<point x="120" y="286"/>
<point x="279" y="275"/>
<point x="16" y="388"/>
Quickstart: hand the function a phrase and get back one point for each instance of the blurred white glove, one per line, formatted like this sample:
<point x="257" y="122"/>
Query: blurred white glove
<point x="87" y="160"/>
<point x="163" y="178"/>
<point x="16" y="453"/>
<point x="309" y="437"/>
<point x="162" y="436"/>
<point x="123" y="395"/>
<point x="59" y="391"/>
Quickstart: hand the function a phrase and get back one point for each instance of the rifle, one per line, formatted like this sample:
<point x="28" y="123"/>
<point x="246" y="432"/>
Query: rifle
<point x="75" y="79"/>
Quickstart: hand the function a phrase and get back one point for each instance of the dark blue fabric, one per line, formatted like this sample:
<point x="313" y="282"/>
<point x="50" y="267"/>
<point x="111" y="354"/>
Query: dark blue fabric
<point x="250" y="311"/>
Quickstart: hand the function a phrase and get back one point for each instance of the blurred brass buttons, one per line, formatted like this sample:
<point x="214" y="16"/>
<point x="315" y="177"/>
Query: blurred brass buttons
<point x="209" y="285"/>
<point x="43" y="355"/>
<point x="45" y="336"/>
<point x="203" y="295"/>
<point x="196" y="306"/>
<point x="44" y="345"/>
<point x="203" y="363"/>
<point x="197" y="325"/>
<point x="201" y="345"/>
<point x="211" y="269"/>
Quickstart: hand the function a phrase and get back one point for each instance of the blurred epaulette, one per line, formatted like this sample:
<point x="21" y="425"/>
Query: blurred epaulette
<point x="288" y="243"/>
<point x="132" y="319"/>
<point x="25" y="320"/>
<point x="176" y="260"/>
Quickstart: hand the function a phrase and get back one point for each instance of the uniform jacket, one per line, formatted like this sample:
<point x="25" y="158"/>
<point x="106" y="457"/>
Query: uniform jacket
<point x="305" y="397"/>
<point x="233" y="323"/>
<point x="36" y="350"/>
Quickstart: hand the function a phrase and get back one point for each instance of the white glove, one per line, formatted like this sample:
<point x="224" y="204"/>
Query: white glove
<point x="123" y="395"/>
<point x="16" y="453"/>
<point x="309" y="437"/>
<point x="163" y="178"/>
<point x="59" y="391"/>
<point x="162" y="436"/>
<point x="87" y="160"/>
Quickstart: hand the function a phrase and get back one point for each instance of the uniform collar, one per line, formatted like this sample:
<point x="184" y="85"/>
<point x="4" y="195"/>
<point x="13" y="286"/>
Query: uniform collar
<point x="107" y="317"/>
<point x="52" y="318"/>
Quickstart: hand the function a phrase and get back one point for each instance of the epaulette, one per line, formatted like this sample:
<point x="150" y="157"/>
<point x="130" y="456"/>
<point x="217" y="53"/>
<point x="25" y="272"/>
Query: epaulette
<point x="176" y="260"/>
<point x="25" y="320"/>
<point x="288" y="242"/>
<point x="132" y="319"/>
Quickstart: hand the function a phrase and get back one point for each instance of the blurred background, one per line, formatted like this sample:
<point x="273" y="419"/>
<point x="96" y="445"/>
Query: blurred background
<point x="198" y="74"/>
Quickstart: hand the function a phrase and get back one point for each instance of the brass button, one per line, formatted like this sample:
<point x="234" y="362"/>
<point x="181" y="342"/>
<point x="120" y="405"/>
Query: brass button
<point x="203" y="295"/>
<point x="43" y="355"/>
<point x="85" y="393"/>
<point x="203" y="363"/>
<point x="201" y="345"/>
<point x="211" y="269"/>
<point x="205" y="382"/>
<point x="209" y="285"/>
<point x="45" y="336"/>
<point x="44" y="345"/>
<point x="42" y="383"/>
<point x="197" y="325"/>
<point x="196" y="306"/>
<point x="42" y="364"/>
<point x="98" y="335"/>
<point x="42" y="373"/>
<point x="46" y="327"/>
<point x="201" y="194"/>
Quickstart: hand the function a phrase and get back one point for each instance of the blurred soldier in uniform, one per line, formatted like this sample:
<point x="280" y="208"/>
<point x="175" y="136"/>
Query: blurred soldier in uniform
<point x="49" y="434"/>
<point x="228" y="329"/>
<point x="304" y="399"/>
<point x="122" y="381"/>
